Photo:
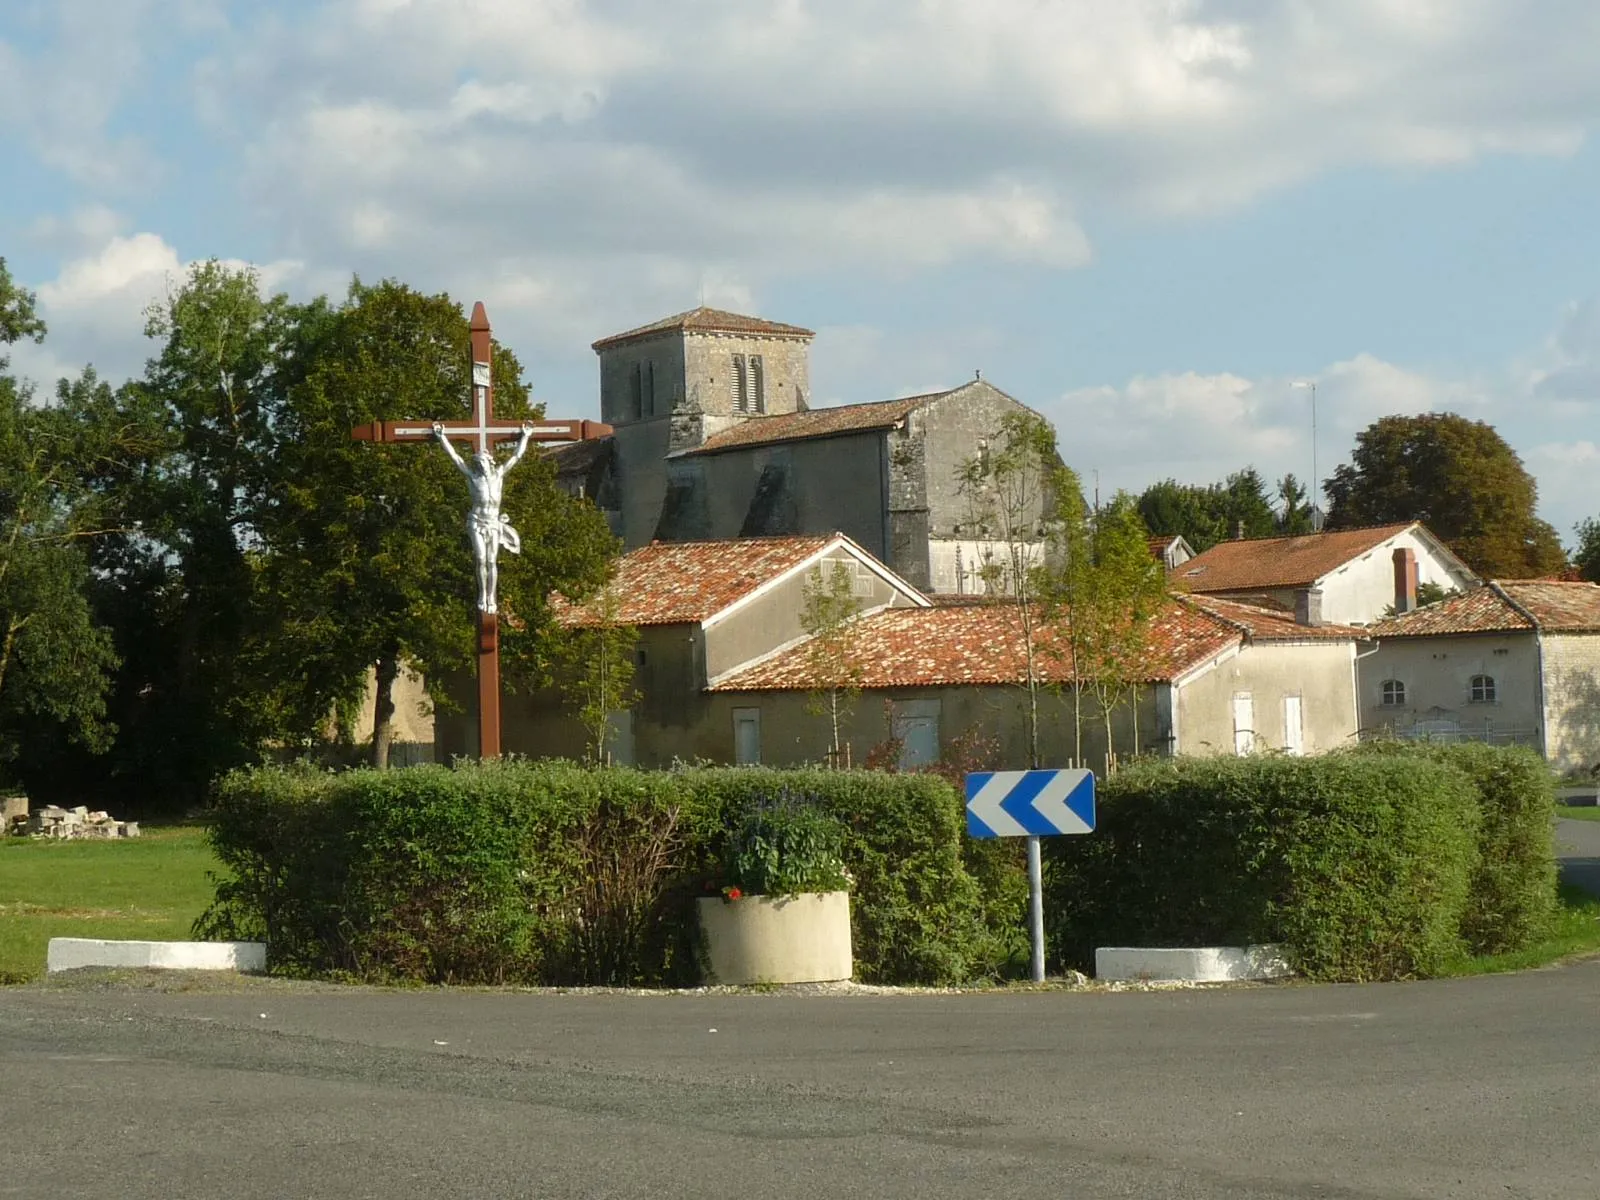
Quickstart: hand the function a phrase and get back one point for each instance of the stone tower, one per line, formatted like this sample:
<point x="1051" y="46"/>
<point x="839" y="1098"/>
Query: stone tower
<point x="668" y="386"/>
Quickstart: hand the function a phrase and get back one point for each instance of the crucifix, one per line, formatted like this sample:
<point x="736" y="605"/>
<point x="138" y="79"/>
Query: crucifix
<point x="487" y="525"/>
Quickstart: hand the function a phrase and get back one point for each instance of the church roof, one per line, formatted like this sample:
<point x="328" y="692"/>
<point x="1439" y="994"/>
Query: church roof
<point x="815" y="423"/>
<point x="706" y="320"/>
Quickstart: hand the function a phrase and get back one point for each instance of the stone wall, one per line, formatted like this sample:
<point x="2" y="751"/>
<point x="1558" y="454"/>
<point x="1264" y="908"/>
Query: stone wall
<point x="1572" y="700"/>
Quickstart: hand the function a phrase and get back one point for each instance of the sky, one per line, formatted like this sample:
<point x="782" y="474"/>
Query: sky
<point x="1146" y="219"/>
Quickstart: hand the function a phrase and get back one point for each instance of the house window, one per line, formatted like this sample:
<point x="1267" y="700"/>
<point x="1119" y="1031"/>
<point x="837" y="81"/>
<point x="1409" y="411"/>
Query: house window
<point x="748" y="384"/>
<point x="1394" y="693"/>
<point x="747" y="736"/>
<point x="1483" y="689"/>
<point x="916" y="728"/>
<point x="637" y="407"/>
<point x="1244" y="723"/>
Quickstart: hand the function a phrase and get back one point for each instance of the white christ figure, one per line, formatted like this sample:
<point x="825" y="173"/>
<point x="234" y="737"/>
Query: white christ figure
<point x="487" y="526"/>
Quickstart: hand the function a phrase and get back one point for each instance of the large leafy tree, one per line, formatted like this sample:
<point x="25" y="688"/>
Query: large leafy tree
<point x="54" y="657"/>
<point x="368" y="561"/>
<point x="179" y="583"/>
<point x="1207" y="514"/>
<point x="1461" y="479"/>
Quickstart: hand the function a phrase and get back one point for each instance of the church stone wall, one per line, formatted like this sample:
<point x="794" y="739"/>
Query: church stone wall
<point x="826" y="485"/>
<point x="662" y="359"/>
<point x="708" y="371"/>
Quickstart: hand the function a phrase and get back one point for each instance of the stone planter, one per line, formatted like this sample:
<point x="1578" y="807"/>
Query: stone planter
<point x="784" y="939"/>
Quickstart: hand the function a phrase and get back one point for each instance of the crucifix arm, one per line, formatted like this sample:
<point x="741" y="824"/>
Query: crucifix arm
<point x="455" y="456"/>
<point x="522" y="446"/>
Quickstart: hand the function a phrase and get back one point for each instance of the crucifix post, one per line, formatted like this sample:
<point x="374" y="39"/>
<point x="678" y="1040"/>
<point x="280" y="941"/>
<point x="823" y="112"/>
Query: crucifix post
<point x="487" y="525"/>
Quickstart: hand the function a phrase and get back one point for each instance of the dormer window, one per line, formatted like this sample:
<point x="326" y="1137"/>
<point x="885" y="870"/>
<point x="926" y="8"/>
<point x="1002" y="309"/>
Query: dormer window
<point x="748" y="384"/>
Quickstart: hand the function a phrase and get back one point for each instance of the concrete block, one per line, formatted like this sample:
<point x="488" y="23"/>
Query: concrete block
<point x="70" y="954"/>
<point x="1205" y="964"/>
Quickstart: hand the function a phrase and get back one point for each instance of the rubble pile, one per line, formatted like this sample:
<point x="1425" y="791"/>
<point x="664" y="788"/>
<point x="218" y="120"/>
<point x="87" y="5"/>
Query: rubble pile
<point x="62" y="823"/>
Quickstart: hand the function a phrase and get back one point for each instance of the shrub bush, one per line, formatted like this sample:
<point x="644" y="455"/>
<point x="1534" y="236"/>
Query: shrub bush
<point x="551" y="873"/>
<point x="1513" y="896"/>
<point x="1360" y="865"/>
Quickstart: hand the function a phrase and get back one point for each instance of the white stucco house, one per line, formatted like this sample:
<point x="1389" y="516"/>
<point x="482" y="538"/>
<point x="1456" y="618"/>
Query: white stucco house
<point x="1516" y="661"/>
<point x="1346" y="577"/>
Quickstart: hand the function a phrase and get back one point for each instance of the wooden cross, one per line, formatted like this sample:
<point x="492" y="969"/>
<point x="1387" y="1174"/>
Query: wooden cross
<point x="484" y="432"/>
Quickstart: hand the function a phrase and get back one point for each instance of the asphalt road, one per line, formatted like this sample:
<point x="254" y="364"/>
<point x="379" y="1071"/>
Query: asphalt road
<point x="1462" y="1088"/>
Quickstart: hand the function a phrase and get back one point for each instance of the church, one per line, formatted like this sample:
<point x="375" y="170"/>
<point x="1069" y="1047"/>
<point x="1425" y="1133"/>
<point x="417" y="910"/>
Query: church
<point x="715" y="437"/>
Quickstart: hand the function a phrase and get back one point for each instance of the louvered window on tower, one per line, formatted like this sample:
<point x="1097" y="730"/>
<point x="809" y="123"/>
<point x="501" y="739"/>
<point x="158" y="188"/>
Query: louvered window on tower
<point x="739" y="382"/>
<point x="757" y="395"/>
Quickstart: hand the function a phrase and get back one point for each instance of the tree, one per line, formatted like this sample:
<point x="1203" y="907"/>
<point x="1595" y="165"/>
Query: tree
<point x="1294" y="518"/>
<point x="1587" y="557"/>
<point x="829" y="607"/>
<point x="1458" y="477"/>
<point x="1112" y="592"/>
<point x="180" y="584"/>
<point x="1022" y="501"/>
<point x="54" y="658"/>
<point x="1206" y="515"/>
<point x="598" y="667"/>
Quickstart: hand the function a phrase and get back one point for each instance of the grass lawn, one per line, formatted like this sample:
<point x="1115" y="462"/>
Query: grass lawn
<point x="153" y="886"/>
<point x="1576" y="931"/>
<point x="1572" y="813"/>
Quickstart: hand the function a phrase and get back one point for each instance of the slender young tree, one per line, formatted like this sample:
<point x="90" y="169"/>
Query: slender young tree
<point x="829" y="607"/>
<point x="597" y="667"/>
<point x="1023" y="506"/>
<point x="1120" y="591"/>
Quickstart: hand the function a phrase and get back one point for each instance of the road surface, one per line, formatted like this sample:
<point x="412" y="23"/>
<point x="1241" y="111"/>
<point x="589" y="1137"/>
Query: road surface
<point x="1461" y="1088"/>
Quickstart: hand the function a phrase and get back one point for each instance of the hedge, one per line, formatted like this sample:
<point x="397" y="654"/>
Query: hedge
<point x="1361" y="865"/>
<point x="548" y="873"/>
<point x="1513" y="894"/>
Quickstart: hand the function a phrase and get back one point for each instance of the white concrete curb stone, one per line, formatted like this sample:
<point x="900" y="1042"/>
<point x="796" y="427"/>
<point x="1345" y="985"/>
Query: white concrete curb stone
<point x="1205" y="964"/>
<point x="71" y="954"/>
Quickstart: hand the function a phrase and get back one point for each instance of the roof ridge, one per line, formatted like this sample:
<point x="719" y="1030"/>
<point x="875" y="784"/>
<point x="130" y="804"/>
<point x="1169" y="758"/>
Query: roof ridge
<point x="1525" y="613"/>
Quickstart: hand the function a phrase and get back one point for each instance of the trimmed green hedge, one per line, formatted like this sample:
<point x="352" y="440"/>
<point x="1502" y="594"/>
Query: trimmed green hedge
<point x="555" y="874"/>
<point x="1360" y="865"/>
<point x="1513" y="895"/>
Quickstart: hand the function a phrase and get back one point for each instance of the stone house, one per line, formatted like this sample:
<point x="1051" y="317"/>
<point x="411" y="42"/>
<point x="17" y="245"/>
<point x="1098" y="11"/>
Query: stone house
<point x="1348" y="576"/>
<point x="1516" y="661"/>
<point x="726" y="671"/>
<point x="702" y="609"/>
<point x="714" y="437"/>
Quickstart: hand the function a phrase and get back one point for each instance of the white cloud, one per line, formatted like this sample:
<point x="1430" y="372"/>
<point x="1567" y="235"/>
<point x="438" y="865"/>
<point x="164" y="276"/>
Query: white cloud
<point x="95" y="306"/>
<point x="1200" y="428"/>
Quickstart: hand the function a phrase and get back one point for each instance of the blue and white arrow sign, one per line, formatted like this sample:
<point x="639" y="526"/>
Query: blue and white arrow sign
<point x="1029" y="803"/>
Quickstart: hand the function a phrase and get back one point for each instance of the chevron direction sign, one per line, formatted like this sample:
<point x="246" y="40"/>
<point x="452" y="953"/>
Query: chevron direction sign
<point x="1029" y="803"/>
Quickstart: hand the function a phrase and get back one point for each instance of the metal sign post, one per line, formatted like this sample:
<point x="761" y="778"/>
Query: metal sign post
<point x="487" y="525"/>
<point x="1031" y="804"/>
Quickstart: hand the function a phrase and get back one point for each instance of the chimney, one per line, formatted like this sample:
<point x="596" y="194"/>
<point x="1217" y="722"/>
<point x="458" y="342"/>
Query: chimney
<point x="1308" y="607"/>
<point x="1405" y="580"/>
<point x="1238" y="530"/>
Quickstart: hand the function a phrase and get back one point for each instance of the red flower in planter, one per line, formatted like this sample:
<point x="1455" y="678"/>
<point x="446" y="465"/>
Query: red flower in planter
<point x="731" y="893"/>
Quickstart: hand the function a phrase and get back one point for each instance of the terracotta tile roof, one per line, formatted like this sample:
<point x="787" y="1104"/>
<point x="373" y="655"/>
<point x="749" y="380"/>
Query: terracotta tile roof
<point x="815" y="423"/>
<point x="706" y="320"/>
<point x="1504" y="605"/>
<point x="1279" y="562"/>
<point x="969" y="644"/>
<point x="674" y="583"/>
<point x="1262" y="624"/>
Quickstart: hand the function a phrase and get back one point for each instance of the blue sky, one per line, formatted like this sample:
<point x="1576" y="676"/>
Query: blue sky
<point x="1144" y="218"/>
